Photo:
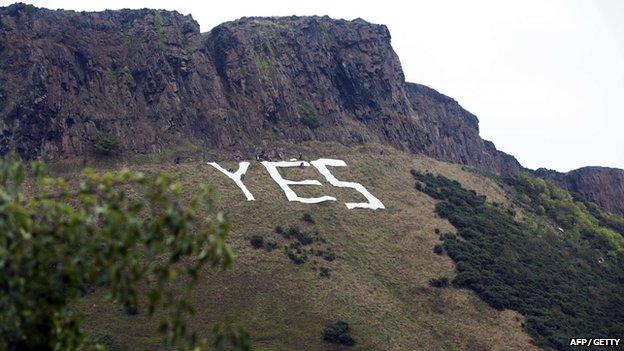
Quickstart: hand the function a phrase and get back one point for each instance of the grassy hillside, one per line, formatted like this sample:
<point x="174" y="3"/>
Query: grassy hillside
<point x="379" y="279"/>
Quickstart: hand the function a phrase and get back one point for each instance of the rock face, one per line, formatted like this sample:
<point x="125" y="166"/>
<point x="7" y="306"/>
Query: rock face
<point x="453" y="133"/>
<point x="602" y="185"/>
<point x="152" y="80"/>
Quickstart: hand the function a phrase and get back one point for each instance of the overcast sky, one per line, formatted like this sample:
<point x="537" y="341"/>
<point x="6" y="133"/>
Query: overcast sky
<point x="545" y="78"/>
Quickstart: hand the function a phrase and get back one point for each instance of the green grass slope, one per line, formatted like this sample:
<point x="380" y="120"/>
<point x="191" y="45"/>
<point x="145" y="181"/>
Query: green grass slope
<point x="380" y="263"/>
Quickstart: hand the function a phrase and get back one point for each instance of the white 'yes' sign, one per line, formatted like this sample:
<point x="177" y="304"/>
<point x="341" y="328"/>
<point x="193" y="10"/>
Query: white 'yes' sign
<point x="320" y="164"/>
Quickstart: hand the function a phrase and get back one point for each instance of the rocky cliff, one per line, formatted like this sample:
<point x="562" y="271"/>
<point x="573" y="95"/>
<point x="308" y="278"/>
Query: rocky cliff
<point x="602" y="185"/>
<point x="151" y="80"/>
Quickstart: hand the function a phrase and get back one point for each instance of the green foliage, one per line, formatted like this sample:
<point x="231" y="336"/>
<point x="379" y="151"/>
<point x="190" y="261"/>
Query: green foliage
<point x="57" y="239"/>
<point x="544" y="198"/>
<point x="295" y="253"/>
<point x="324" y="272"/>
<point x="256" y="241"/>
<point x="438" y="249"/>
<point x="338" y="332"/>
<point x="112" y="74"/>
<point x="563" y="287"/>
<point x="128" y="78"/>
<point x="307" y="114"/>
<point x="262" y="64"/>
<point x="307" y="217"/>
<point x="230" y="338"/>
<point x="605" y="219"/>
<point x="328" y="255"/>
<point x="441" y="282"/>
<point x="302" y="237"/>
<point x="158" y="23"/>
<point x="105" y="143"/>
<point x="270" y="245"/>
<point x="29" y="9"/>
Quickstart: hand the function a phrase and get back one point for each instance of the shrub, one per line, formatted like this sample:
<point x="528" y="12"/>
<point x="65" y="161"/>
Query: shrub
<point x="256" y="241"/>
<point x="296" y="257"/>
<point x="438" y="249"/>
<point x="158" y="23"/>
<point x="338" y="333"/>
<point x="307" y="115"/>
<point x="262" y="64"/>
<point x="270" y="245"/>
<point x="279" y="230"/>
<point x="441" y="282"/>
<point x="328" y="255"/>
<point x="324" y="272"/>
<point x="307" y="217"/>
<point x="105" y="143"/>
<point x="303" y="238"/>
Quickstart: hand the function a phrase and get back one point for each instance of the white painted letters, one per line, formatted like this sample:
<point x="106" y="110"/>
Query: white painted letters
<point x="284" y="183"/>
<point x="237" y="177"/>
<point x="321" y="164"/>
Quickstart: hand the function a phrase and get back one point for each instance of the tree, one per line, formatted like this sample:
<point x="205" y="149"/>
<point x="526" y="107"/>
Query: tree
<point x="115" y="231"/>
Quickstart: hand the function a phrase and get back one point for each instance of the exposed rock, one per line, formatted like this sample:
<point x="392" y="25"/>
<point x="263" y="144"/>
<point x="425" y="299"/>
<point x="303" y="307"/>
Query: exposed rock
<point x="151" y="79"/>
<point x="453" y="133"/>
<point x="602" y="185"/>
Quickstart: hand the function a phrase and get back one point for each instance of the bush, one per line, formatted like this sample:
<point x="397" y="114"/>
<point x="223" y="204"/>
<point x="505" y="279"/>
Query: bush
<point x="270" y="245"/>
<point x="307" y="115"/>
<point x="307" y="217"/>
<point x="105" y="143"/>
<point x="441" y="282"/>
<point x="324" y="272"/>
<point x="303" y="238"/>
<point x="279" y="230"/>
<point x="296" y="257"/>
<point x="338" y="333"/>
<point x="328" y="255"/>
<point x="438" y="249"/>
<point x="256" y="241"/>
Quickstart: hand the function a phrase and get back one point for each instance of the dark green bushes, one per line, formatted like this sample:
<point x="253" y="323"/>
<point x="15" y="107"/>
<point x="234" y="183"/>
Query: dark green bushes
<point x="256" y="241"/>
<point x="307" y="217"/>
<point x="438" y="249"/>
<point x="441" y="282"/>
<point x="105" y="143"/>
<point x="307" y="114"/>
<point x="302" y="237"/>
<point x="338" y="332"/>
<point x="324" y="272"/>
<point x="564" y="285"/>
<point x="295" y="253"/>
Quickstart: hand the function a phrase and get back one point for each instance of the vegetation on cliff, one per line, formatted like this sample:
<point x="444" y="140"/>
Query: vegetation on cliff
<point x="566" y="282"/>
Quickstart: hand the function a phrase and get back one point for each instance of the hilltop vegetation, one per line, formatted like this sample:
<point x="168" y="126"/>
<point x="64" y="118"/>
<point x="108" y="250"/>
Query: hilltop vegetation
<point x="566" y="280"/>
